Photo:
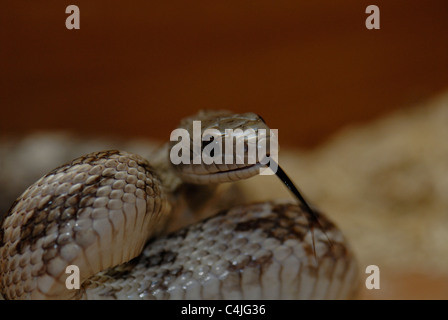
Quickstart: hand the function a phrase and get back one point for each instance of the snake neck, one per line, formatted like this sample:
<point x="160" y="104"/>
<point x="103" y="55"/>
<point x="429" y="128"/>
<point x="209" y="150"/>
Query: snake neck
<point x="165" y="171"/>
<point x="188" y="201"/>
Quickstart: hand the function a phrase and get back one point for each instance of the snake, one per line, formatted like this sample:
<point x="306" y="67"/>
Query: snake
<point x="109" y="214"/>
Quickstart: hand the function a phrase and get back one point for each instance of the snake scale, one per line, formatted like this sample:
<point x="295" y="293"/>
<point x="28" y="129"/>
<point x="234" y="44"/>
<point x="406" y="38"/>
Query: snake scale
<point x="108" y="212"/>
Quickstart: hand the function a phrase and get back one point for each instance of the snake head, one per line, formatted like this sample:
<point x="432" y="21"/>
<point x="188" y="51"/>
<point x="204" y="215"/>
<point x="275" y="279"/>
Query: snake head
<point x="220" y="146"/>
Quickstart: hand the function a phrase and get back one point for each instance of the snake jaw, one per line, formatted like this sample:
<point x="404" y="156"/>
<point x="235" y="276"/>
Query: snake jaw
<point x="221" y="177"/>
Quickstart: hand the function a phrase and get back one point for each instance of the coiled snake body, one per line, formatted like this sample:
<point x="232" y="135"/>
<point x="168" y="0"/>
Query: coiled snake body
<point x="107" y="213"/>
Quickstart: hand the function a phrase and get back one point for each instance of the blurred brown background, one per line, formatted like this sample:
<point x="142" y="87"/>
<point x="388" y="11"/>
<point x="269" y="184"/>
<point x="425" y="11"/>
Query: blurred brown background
<point x="308" y="67"/>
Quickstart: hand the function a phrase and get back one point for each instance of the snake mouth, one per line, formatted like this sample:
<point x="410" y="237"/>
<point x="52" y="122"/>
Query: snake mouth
<point x="228" y="175"/>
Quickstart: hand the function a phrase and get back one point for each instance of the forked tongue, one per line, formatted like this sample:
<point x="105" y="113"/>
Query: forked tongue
<point x="313" y="218"/>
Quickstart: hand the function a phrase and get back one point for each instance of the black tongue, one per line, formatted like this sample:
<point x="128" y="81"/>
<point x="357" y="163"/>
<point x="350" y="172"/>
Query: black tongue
<point x="285" y="179"/>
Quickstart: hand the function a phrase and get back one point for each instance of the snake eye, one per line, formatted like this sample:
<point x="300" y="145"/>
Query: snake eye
<point x="207" y="142"/>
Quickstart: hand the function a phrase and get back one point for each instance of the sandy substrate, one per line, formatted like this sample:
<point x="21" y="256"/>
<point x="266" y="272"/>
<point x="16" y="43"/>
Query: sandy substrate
<point x="385" y="184"/>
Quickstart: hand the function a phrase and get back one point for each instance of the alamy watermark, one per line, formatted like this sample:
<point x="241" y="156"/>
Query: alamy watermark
<point x="239" y="147"/>
<point x="72" y="22"/>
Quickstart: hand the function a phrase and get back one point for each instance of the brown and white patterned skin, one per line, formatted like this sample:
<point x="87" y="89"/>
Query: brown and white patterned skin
<point x="94" y="212"/>
<point x="99" y="211"/>
<point x="258" y="251"/>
